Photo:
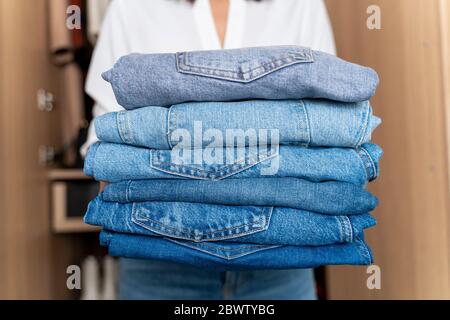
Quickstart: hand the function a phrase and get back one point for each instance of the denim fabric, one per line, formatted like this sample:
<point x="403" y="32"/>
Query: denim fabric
<point x="234" y="256"/>
<point x="117" y="162"/>
<point x="278" y="72"/>
<point x="321" y="123"/>
<point x="205" y="223"/>
<point x="162" y="280"/>
<point x="335" y="197"/>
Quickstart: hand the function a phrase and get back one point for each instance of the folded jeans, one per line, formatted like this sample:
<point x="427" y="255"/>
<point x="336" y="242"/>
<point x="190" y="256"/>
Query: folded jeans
<point x="310" y="123"/>
<point x="331" y="197"/>
<point x="277" y="72"/>
<point x="235" y="256"/>
<point x="118" y="162"/>
<point x="241" y="224"/>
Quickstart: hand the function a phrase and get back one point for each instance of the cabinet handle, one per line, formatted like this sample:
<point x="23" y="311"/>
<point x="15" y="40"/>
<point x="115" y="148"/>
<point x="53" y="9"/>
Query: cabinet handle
<point x="45" y="100"/>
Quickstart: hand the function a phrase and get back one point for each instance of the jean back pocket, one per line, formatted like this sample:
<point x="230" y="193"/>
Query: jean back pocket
<point x="224" y="250"/>
<point x="241" y="65"/>
<point x="200" y="223"/>
<point x="185" y="164"/>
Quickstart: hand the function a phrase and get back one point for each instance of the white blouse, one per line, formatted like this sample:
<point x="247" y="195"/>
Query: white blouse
<point x="159" y="26"/>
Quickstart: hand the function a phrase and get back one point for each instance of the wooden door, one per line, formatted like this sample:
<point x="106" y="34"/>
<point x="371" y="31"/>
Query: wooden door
<point x="411" y="54"/>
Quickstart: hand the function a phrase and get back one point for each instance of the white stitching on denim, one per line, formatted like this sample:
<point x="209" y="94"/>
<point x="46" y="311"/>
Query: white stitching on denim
<point x="207" y="173"/>
<point x="184" y="67"/>
<point x="372" y="163"/>
<point x="129" y="129"/>
<point x="221" y="255"/>
<point x="308" y="126"/>
<point x="186" y="235"/>
<point x="305" y="56"/>
<point x="124" y="127"/>
<point x="211" y="234"/>
<point x="243" y="245"/>
<point x="119" y="125"/>
<point x="345" y="225"/>
<point x="341" y="232"/>
<point x="363" y="164"/>
<point x="128" y="191"/>
<point x="363" y="250"/>
<point x="169" y="127"/>
<point x="362" y="130"/>
<point x="349" y="228"/>
<point x="95" y="147"/>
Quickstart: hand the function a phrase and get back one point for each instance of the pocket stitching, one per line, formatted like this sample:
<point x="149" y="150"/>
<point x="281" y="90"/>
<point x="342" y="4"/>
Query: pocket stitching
<point x="185" y="235"/>
<point x="231" y="257"/>
<point x="220" y="173"/>
<point x="308" y="58"/>
<point x="183" y="66"/>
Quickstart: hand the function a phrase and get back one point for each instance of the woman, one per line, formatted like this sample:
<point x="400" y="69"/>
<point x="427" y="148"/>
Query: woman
<point x="159" y="26"/>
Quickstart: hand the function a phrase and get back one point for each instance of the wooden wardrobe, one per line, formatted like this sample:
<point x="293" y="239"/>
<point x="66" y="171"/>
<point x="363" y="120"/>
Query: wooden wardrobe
<point x="33" y="260"/>
<point x="411" y="53"/>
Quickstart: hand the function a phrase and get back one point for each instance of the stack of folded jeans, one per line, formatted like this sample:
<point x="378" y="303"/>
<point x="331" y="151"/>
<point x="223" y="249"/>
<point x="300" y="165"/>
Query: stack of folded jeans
<point x="253" y="158"/>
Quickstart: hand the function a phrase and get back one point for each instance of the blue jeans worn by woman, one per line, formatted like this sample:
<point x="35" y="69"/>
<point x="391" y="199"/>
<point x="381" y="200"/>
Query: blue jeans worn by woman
<point x="158" y="280"/>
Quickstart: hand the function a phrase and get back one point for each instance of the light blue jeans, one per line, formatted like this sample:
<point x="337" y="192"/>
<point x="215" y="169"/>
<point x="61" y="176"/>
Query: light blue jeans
<point x="117" y="162"/>
<point x="310" y="123"/>
<point x="161" y="280"/>
<point x="277" y="72"/>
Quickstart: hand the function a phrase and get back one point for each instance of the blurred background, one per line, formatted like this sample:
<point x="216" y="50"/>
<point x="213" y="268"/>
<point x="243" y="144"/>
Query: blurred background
<point x="44" y="115"/>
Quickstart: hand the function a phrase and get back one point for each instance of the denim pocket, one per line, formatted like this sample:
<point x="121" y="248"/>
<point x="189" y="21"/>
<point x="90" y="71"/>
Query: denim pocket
<point x="228" y="251"/>
<point x="211" y="223"/>
<point x="241" y="65"/>
<point x="165" y="161"/>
